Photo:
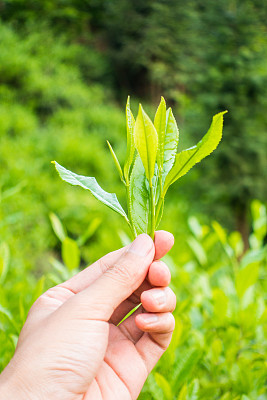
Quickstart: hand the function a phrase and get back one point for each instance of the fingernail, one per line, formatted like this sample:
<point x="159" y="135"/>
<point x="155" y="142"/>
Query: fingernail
<point x="150" y="319"/>
<point x="159" y="296"/>
<point x="141" y="245"/>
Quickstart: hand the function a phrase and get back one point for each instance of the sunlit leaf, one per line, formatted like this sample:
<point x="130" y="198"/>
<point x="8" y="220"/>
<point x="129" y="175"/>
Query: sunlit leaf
<point x="160" y="125"/>
<point x="90" y="183"/>
<point x="170" y="143"/>
<point x="70" y="253"/>
<point x="164" y="385"/>
<point x="57" y="226"/>
<point x="185" y="365"/>
<point x="186" y="159"/>
<point x="193" y="390"/>
<point x="139" y="200"/>
<point x="246" y="277"/>
<point x="116" y="161"/>
<point x="146" y="142"/>
<point x="4" y="261"/>
<point x="130" y="140"/>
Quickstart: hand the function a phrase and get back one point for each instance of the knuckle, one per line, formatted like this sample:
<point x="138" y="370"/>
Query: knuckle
<point x="122" y="271"/>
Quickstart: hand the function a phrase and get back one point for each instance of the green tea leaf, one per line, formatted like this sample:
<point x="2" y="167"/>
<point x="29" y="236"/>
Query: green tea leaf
<point x="146" y="142"/>
<point x="220" y="305"/>
<point x="70" y="253"/>
<point x="185" y="365"/>
<point x="57" y="226"/>
<point x="183" y="393"/>
<point x="159" y="213"/>
<point x="39" y="289"/>
<point x="246" y="277"/>
<point x="164" y="385"/>
<point x="116" y="161"/>
<point x="170" y="143"/>
<point x="4" y="261"/>
<point x="89" y="232"/>
<point x="139" y="197"/>
<point x="160" y="125"/>
<point x="90" y="183"/>
<point x="193" y="390"/>
<point x="186" y="159"/>
<point x="130" y="140"/>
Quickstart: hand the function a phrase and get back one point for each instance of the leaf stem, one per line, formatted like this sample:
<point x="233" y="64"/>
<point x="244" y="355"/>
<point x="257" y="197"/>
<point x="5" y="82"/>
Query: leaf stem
<point x="159" y="205"/>
<point x="152" y="211"/>
<point x="130" y="221"/>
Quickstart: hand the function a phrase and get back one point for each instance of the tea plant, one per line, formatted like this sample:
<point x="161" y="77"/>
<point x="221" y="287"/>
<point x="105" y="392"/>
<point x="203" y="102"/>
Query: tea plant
<point x="152" y="165"/>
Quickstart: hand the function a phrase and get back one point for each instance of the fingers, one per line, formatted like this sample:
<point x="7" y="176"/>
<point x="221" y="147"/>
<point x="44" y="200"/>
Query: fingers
<point x="159" y="300"/>
<point x="158" y="324"/>
<point x="158" y="330"/>
<point x="116" y="284"/>
<point x="159" y="274"/>
<point x="162" y="324"/>
<point x="163" y="243"/>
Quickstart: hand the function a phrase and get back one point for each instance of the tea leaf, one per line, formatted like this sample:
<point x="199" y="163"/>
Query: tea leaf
<point x="4" y="261"/>
<point x="116" y="161"/>
<point x="139" y="197"/>
<point x="146" y="142"/>
<point x="164" y="385"/>
<point x="130" y="140"/>
<point x="159" y="213"/>
<point x="185" y="160"/>
<point x="246" y="277"/>
<point x="160" y="125"/>
<point x="57" y="226"/>
<point x="170" y="143"/>
<point x="193" y="390"/>
<point x="185" y="366"/>
<point x="90" y="183"/>
<point x="70" y="253"/>
<point x="183" y="393"/>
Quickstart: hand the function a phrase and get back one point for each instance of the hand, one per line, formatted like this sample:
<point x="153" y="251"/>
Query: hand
<point x="71" y="348"/>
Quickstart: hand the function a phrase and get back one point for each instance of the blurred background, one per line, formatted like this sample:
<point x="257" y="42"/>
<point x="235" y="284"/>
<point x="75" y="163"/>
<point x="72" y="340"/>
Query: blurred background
<point x="66" y="69"/>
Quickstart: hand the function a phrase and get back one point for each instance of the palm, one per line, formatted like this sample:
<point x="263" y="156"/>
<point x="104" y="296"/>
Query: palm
<point x="122" y="360"/>
<point x="106" y="361"/>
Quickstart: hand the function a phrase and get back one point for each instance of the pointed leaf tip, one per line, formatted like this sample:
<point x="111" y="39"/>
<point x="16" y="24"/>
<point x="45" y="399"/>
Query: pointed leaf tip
<point x="146" y="142"/>
<point x="116" y="161"/>
<point x="186" y="159"/>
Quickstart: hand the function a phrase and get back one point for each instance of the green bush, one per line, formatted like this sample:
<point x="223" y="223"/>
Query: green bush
<point x="50" y="110"/>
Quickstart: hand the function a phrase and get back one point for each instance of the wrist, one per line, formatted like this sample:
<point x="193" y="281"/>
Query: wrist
<point x="12" y="386"/>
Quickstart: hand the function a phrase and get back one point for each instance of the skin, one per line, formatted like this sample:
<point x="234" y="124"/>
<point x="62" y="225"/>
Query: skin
<point x="71" y="348"/>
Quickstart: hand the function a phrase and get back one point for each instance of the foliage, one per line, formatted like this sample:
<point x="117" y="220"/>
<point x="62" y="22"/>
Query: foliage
<point x="219" y="346"/>
<point x="204" y="57"/>
<point x="155" y="167"/>
<point x="58" y="63"/>
<point x="220" y="342"/>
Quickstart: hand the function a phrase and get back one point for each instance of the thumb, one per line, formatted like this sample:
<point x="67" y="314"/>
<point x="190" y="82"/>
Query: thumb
<point x="119" y="281"/>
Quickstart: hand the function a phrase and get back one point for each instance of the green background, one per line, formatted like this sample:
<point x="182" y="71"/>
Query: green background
<point x="66" y="68"/>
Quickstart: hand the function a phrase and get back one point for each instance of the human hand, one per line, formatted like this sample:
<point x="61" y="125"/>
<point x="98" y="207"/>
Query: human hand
<point x="71" y="348"/>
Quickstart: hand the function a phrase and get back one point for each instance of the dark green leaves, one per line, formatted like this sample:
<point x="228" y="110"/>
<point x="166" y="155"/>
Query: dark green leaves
<point x="148" y="174"/>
